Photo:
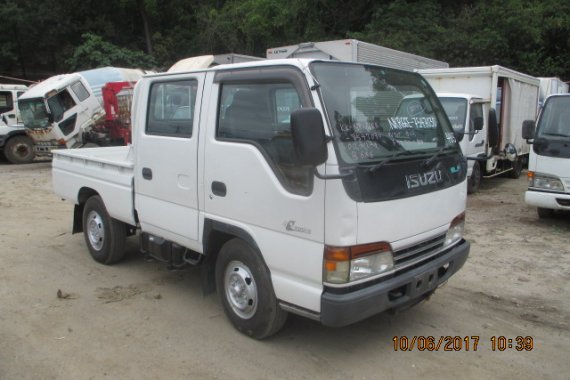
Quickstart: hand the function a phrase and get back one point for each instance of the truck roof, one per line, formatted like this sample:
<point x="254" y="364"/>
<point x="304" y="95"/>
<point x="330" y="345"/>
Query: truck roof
<point x="13" y="87"/>
<point x="480" y="71"/>
<point x="52" y="83"/>
<point x="459" y="95"/>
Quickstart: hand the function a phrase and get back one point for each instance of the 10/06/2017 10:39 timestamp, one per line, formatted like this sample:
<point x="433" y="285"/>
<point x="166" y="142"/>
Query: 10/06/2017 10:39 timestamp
<point x="461" y="343"/>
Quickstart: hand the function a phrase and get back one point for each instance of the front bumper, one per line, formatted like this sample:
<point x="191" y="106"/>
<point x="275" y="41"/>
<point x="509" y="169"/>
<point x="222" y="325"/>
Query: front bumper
<point x="554" y="201"/>
<point x="405" y="289"/>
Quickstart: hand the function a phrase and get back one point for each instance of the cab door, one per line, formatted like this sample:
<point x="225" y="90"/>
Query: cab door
<point x="475" y="143"/>
<point x="166" y="177"/>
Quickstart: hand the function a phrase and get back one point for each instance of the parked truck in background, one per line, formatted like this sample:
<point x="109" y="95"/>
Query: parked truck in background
<point x="68" y="110"/>
<point x="14" y="143"/>
<point x="355" y="51"/>
<point x="550" y="86"/>
<point x="296" y="185"/>
<point x="487" y="105"/>
<point x="549" y="162"/>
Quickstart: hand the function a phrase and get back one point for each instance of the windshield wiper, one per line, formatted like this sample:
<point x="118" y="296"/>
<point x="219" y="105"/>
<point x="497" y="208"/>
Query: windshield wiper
<point x="373" y="168"/>
<point x="430" y="160"/>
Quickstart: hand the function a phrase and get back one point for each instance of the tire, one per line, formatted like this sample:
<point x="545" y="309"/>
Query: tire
<point x="19" y="150"/>
<point x="245" y="290"/>
<point x="545" y="213"/>
<point x="474" y="182"/>
<point x="105" y="237"/>
<point x="517" y="168"/>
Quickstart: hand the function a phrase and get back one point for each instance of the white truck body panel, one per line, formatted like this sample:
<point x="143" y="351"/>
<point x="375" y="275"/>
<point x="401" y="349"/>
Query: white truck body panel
<point x="173" y="180"/>
<point x="551" y="86"/>
<point x="355" y="51"/>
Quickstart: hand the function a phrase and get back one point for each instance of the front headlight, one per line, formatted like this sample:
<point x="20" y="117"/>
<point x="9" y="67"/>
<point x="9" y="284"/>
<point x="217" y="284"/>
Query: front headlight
<point x="455" y="231"/>
<point x="348" y="264"/>
<point x="544" y="182"/>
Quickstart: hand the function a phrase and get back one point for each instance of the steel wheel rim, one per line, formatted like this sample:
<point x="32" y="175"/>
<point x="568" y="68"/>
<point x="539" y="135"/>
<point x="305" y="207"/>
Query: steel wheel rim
<point x="240" y="289"/>
<point x="95" y="230"/>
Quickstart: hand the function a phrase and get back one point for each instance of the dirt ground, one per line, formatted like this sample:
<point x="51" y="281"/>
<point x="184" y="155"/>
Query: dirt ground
<point x="137" y="320"/>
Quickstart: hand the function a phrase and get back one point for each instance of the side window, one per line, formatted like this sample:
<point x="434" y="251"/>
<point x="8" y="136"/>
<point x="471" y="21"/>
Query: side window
<point x="476" y="112"/>
<point x="171" y="108"/>
<point x="60" y="103"/>
<point x="80" y="91"/>
<point x="259" y="114"/>
<point x="6" y="102"/>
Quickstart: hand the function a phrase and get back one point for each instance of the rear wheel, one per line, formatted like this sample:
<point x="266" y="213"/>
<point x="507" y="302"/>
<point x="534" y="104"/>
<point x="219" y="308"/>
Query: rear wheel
<point x="105" y="236"/>
<point x="474" y="182"/>
<point x="245" y="290"/>
<point x="19" y="150"/>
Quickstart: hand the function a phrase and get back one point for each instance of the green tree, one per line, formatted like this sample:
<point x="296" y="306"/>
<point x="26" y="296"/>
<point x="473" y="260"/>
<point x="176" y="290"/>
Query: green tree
<point x="95" y="52"/>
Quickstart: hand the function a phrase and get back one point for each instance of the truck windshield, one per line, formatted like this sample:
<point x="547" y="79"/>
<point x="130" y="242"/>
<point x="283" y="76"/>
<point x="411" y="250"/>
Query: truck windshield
<point x="456" y="110"/>
<point x="380" y="114"/>
<point x="34" y="113"/>
<point x="554" y="123"/>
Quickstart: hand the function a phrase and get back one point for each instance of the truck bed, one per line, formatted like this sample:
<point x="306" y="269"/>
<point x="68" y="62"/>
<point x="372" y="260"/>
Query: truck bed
<point x="107" y="171"/>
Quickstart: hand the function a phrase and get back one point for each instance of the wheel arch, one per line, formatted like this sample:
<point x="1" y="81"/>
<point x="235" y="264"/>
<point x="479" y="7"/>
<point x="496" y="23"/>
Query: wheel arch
<point x="214" y="236"/>
<point x="84" y="194"/>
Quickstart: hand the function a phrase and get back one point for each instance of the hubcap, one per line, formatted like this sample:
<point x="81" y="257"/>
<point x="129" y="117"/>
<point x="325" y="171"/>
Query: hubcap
<point x="240" y="289"/>
<point x="22" y="150"/>
<point x="95" y="230"/>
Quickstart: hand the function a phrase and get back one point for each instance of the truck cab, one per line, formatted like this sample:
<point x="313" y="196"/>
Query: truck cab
<point x="17" y="147"/>
<point x="296" y="185"/>
<point x="57" y="110"/>
<point x="549" y="161"/>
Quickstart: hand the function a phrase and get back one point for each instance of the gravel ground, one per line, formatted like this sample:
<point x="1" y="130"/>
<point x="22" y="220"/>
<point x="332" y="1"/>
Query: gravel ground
<point x="63" y="316"/>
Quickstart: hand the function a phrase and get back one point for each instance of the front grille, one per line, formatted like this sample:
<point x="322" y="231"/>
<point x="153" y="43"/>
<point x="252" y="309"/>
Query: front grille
<point x="563" y="202"/>
<point x="415" y="254"/>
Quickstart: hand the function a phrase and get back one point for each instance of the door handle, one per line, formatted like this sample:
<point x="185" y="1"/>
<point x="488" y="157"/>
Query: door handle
<point x="219" y="189"/>
<point x="147" y="173"/>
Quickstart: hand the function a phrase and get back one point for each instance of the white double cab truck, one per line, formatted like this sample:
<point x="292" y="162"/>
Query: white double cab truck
<point x="297" y="185"/>
<point x="549" y="162"/>
<point x="486" y="106"/>
<point x="62" y="111"/>
<point x="16" y="146"/>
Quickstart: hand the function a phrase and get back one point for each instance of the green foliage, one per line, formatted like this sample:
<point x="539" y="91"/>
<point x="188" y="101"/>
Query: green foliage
<point x="42" y="38"/>
<point x="95" y="52"/>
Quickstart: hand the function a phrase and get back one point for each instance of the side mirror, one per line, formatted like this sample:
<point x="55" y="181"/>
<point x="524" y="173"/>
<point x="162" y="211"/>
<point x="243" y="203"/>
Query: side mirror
<point x="309" y="138"/>
<point x="493" y="132"/>
<point x="478" y="123"/>
<point x="528" y="127"/>
<point x="458" y="135"/>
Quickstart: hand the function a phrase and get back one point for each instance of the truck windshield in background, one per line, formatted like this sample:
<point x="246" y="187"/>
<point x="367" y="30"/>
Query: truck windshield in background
<point x="34" y="113"/>
<point x="380" y="113"/>
<point x="553" y="129"/>
<point x="456" y="110"/>
<point x="390" y="130"/>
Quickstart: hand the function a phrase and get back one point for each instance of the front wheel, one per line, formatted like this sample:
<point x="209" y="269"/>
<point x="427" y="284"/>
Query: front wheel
<point x="105" y="236"/>
<point x="245" y="290"/>
<point x="19" y="150"/>
<point x="474" y="182"/>
<point x="517" y="168"/>
<point x="545" y="213"/>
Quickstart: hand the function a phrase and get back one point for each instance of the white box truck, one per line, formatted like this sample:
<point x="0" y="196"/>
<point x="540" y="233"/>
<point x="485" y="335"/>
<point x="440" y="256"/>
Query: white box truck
<point x="61" y="111"/>
<point x="550" y="86"/>
<point x="14" y="143"/>
<point x="549" y="162"/>
<point x="355" y="51"/>
<point x="297" y="185"/>
<point x="487" y="105"/>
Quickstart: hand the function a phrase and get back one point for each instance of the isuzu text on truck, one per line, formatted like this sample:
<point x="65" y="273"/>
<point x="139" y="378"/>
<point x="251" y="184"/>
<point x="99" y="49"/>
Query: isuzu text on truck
<point x="549" y="162"/>
<point x="293" y="183"/>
